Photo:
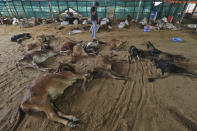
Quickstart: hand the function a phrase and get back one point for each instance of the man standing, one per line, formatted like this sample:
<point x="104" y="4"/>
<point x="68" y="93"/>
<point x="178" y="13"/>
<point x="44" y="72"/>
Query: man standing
<point x="94" y="19"/>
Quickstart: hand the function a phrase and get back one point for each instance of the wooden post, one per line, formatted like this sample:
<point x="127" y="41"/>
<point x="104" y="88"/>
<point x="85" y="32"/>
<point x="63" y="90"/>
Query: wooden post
<point x="23" y="8"/>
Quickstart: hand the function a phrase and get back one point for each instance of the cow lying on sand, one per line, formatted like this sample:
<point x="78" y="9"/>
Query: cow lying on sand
<point x="163" y="61"/>
<point x="67" y="47"/>
<point x="34" y="59"/>
<point x="46" y="89"/>
<point x="168" y="67"/>
<point x="98" y="65"/>
<point x="20" y="37"/>
<point x="90" y="48"/>
<point x="163" y="55"/>
<point x="152" y="53"/>
<point x="46" y="38"/>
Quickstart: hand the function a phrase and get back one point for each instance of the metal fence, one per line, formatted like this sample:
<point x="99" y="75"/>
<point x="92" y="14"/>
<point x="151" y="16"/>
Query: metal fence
<point x="138" y="9"/>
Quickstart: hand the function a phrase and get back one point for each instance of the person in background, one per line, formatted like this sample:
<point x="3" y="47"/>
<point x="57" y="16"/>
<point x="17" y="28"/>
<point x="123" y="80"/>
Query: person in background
<point x="94" y="19"/>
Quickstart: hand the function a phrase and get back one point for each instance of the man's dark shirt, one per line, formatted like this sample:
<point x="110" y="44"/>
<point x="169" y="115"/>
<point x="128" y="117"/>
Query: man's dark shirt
<point x="94" y="17"/>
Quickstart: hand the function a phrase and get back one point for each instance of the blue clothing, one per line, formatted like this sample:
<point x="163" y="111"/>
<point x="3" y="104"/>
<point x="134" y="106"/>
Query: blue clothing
<point x="94" y="17"/>
<point x="94" y="28"/>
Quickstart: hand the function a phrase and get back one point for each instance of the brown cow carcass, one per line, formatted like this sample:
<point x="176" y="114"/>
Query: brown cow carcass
<point x="99" y="66"/>
<point x="46" y="89"/>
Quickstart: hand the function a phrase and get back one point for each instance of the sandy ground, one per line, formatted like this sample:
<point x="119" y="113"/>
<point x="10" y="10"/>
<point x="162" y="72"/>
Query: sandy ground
<point x="108" y="105"/>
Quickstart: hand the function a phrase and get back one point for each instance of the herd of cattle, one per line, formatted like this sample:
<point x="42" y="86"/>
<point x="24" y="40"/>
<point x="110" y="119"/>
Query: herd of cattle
<point x="44" y="90"/>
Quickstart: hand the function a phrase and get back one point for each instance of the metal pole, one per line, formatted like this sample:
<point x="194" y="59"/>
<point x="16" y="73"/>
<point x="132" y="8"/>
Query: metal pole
<point x="7" y="8"/>
<point x="151" y="9"/>
<point x="23" y="8"/>
<point x="41" y="9"/>
<point x="175" y="12"/>
<point x="32" y="9"/>
<point x="140" y="3"/>
<point x="124" y="7"/>
<point x="115" y="9"/>
<point x="161" y="10"/>
<point x="105" y="11"/>
<point x="58" y="6"/>
<point x="86" y="8"/>
<point x="144" y="3"/>
<point x="134" y="10"/>
<point x="50" y="8"/>
<point x="169" y="10"/>
<point x="77" y="6"/>
<point x="67" y="5"/>
<point x="194" y="9"/>
<point x="182" y="12"/>
<point x="15" y="8"/>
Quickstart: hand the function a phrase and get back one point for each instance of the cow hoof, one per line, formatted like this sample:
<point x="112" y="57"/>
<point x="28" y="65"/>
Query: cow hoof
<point x="72" y="125"/>
<point x="75" y="119"/>
<point x="151" y="79"/>
<point x="127" y="78"/>
<point x="84" y="88"/>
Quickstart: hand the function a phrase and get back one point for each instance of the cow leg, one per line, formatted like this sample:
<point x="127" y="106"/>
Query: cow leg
<point x="51" y="115"/>
<point x="152" y="79"/>
<point x="114" y="75"/>
<point x="30" y="66"/>
<point x="70" y="117"/>
<point x="84" y="83"/>
<point x="118" y="75"/>
<point x="82" y="77"/>
<point x="61" y="114"/>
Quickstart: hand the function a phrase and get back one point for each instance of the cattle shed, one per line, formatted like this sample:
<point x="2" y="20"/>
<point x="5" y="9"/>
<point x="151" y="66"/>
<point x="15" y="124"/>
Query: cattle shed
<point x="138" y="9"/>
<point x="98" y="65"/>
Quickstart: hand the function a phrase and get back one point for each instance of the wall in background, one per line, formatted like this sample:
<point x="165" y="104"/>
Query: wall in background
<point x="52" y="8"/>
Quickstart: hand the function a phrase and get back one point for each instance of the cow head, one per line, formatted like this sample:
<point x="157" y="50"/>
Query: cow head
<point x="150" y="46"/>
<point x="133" y="51"/>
